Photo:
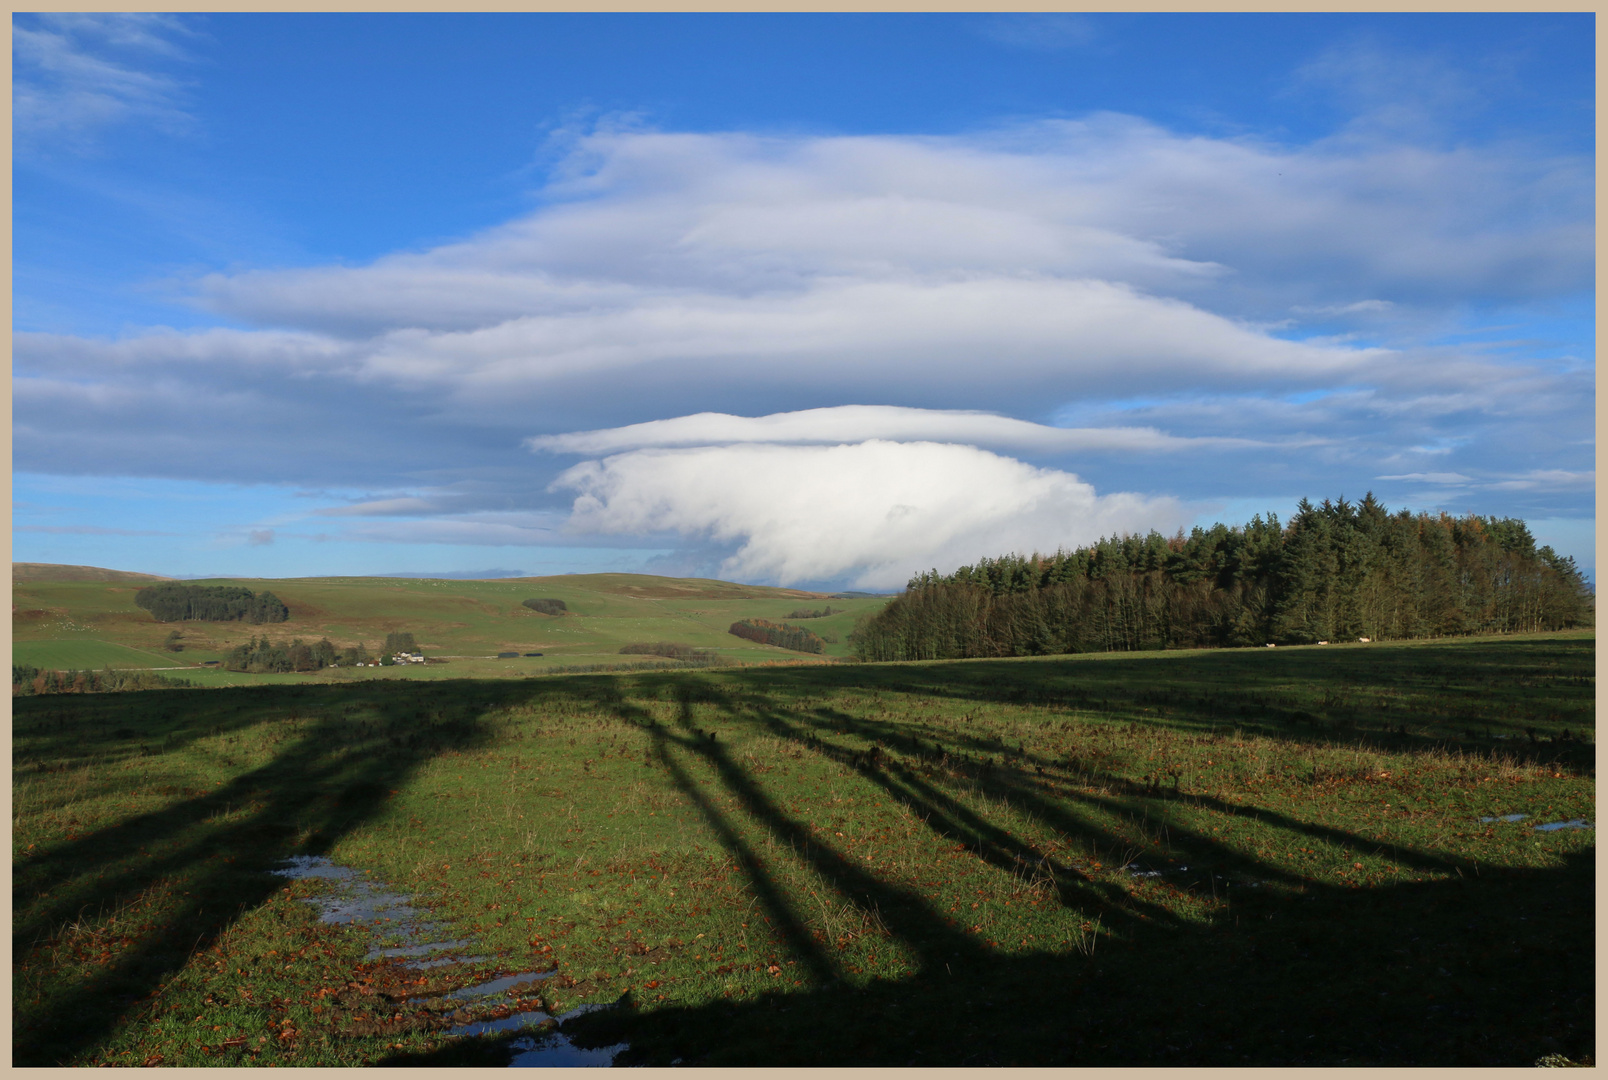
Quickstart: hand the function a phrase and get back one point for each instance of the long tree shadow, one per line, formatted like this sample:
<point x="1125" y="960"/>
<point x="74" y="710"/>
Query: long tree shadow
<point x="330" y="772"/>
<point x="1365" y="695"/>
<point x="1046" y="790"/>
<point x="1281" y="988"/>
<point x="1423" y="973"/>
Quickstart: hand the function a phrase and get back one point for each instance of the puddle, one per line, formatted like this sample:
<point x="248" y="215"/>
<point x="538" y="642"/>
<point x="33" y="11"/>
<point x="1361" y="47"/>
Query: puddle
<point x="507" y="1023"/>
<point x="555" y="1051"/>
<point x="445" y="961"/>
<point x="1554" y="826"/>
<point x="419" y="950"/>
<point x="356" y="901"/>
<point x="497" y="986"/>
<point x="1504" y="817"/>
<point x="1140" y="870"/>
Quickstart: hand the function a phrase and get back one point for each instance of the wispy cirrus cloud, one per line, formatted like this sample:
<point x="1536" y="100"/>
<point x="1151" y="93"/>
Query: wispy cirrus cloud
<point x="74" y="73"/>
<point x="1040" y="31"/>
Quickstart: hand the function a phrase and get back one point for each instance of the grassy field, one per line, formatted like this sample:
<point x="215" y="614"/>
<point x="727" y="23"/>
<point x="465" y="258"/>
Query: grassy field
<point x="1205" y="858"/>
<point x="90" y="622"/>
<point x="84" y="653"/>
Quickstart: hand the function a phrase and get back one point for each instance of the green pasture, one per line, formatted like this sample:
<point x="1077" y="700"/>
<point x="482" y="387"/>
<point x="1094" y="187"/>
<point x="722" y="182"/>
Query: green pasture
<point x="467" y="623"/>
<point x="1227" y="858"/>
<point x="81" y="653"/>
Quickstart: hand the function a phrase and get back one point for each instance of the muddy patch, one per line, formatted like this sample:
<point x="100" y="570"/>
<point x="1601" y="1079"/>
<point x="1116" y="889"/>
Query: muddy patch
<point x="388" y="995"/>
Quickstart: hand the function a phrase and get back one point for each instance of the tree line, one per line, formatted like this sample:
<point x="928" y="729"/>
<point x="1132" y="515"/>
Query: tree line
<point x="814" y="613"/>
<point x="1335" y="572"/>
<point x="779" y="634"/>
<point x="173" y="602"/>
<point x="27" y="680"/>
<point x="675" y="650"/>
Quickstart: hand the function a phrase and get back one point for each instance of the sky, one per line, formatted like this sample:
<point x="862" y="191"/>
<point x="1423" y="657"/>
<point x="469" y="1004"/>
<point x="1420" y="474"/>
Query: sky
<point x="813" y="300"/>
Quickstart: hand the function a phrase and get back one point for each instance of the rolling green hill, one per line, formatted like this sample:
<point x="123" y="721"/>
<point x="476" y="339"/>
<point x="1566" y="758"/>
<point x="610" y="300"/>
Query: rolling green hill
<point x="85" y="617"/>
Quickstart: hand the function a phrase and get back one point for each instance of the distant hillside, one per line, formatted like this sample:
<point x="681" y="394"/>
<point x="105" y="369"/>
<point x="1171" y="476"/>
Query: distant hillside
<point x="43" y="571"/>
<point x="82" y="617"/>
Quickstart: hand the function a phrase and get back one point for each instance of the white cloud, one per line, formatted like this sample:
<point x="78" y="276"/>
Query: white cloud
<point x="1531" y="480"/>
<point x="1360" y="307"/>
<point x="640" y="219"/>
<point x="1548" y="479"/>
<point x="1035" y="337"/>
<point x="859" y="423"/>
<point x="873" y="512"/>
<point x="1066" y="260"/>
<point x="379" y="508"/>
<point x="1431" y="477"/>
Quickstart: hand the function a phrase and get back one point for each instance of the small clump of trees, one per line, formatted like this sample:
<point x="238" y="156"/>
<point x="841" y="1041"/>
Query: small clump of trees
<point x="546" y="607"/>
<point x="175" y="602"/>
<point x="781" y="635"/>
<point x="268" y="656"/>
<point x="807" y="613"/>
<point x="672" y="650"/>
<point x="1336" y="572"/>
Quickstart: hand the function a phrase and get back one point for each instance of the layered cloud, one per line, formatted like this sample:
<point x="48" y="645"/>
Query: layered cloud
<point x="858" y="423"/>
<point x="1250" y="228"/>
<point x="707" y="316"/>
<point x="1018" y="270"/>
<point x="869" y="512"/>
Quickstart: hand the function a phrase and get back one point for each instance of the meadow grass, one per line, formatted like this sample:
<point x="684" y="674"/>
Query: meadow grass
<point x="1191" y="858"/>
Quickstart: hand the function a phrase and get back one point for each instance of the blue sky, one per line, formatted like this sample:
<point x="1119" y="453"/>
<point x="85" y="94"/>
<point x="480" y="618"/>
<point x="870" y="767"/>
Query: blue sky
<point x="814" y="299"/>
